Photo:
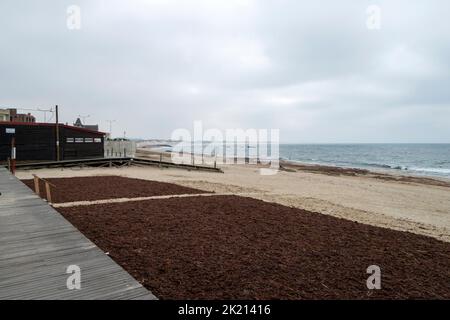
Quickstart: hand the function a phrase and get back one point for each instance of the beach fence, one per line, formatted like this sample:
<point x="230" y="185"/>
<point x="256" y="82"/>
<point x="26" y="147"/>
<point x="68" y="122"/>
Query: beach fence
<point x="120" y="149"/>
<point x="47" y="186"/>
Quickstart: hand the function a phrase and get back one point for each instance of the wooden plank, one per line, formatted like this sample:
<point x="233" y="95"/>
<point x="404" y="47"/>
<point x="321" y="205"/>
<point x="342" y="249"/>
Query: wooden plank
<point x="37" y="245"/>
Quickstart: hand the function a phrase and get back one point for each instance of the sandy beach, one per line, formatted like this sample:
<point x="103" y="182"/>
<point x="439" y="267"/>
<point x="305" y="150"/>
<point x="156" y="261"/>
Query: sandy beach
<point x="415" y="204"/>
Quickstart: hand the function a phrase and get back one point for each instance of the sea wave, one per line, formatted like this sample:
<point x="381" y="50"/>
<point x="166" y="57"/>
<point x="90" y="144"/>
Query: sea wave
<point x="427" y="170"/>
<point x="445" y="171"/>
<point x="379" y="166"/>
<point x="434" y="171"/>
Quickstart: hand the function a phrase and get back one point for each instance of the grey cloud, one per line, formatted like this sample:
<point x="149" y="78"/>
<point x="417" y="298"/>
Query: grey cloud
<point x="313" y="70"/>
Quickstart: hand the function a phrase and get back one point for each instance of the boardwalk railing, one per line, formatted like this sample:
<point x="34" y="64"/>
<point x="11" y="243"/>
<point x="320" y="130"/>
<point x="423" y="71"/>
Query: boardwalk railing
<point x="47" y="184"/>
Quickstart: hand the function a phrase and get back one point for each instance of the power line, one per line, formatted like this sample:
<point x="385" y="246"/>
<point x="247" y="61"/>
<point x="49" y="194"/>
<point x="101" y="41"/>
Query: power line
<point x="37" y="109"/>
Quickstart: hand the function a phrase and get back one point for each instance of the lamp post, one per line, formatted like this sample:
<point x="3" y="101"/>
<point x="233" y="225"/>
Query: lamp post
<point x="110" y="127"/>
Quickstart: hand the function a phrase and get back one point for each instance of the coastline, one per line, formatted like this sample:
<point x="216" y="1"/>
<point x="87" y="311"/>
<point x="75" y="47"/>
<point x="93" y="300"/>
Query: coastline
<point x="399" y="176"/>
<point x="409" y="159"/>
<point x="384" y="174"/>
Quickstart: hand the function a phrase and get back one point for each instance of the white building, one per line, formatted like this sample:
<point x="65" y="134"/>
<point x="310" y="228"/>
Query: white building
<point x="4" y="115"/>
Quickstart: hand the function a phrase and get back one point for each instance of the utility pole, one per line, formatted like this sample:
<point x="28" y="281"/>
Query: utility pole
<point x="110" y="127"/>
<point x="57" y="134"/>
<point x="45" y="116"/>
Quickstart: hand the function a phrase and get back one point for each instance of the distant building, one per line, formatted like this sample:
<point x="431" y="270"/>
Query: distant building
<point x="20" y="117"/>
<point x="11" y="115"/>
<point x="79" y="124"/>
<point x="4" y="115"/>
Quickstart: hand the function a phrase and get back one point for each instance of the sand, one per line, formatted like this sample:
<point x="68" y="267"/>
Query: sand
<point x="231" y="247"/>
<point x="414" y="205"/>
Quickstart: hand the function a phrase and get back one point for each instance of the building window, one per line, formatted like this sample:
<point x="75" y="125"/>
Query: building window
<point x="98" y="140"/>
<point x="69" y="140"/>
<point x="88" y="140"/>
<point x="79" y="140"/>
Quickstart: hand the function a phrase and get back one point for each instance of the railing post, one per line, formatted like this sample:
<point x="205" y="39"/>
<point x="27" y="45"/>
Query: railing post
<point x="13" y="155"/>
<point x="36" y="184"/>
<point x="48" y="192"/>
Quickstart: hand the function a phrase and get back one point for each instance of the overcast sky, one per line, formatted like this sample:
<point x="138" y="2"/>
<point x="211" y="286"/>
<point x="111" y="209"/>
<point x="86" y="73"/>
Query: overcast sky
<point x="312" y="69"/>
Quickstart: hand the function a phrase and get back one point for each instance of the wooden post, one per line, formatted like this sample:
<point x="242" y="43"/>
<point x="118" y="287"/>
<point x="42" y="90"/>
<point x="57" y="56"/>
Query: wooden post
<point x="36" y="184"/>
<point x="160" y="159"/>
<point x="224" y="152"/>
<point x="57" y="133"/>
<point x="48" y="192"/>
<point x="215" y="158"/>
<point x="13" y="155"/>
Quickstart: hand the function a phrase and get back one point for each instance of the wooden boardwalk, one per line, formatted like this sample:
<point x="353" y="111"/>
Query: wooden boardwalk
<point x="37" y="245"/>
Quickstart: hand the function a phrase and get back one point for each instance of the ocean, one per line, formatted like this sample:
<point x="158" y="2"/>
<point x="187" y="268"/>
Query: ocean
<point x="420" y="159"/>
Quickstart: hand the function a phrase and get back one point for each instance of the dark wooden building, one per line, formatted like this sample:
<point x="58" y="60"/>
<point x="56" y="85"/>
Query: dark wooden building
<point x="37" y="142"/>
